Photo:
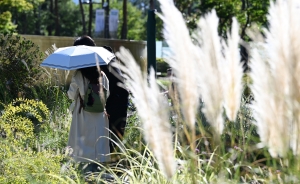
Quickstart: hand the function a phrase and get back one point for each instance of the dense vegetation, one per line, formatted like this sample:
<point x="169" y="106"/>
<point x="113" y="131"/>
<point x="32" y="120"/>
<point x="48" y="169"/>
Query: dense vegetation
<point x="62" y="18"/>
<point x="206" y="130"/>
<point x="65" y="18"/>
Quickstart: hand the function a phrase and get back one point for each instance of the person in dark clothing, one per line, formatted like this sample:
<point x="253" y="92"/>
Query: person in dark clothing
<point x="117" y="102"/>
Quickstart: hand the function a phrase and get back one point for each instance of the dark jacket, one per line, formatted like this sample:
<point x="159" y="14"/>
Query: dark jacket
<point x="117" y="101"/>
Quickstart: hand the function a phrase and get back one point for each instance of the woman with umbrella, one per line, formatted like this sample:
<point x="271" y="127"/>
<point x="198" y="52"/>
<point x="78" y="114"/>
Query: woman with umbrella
<point x="116" y="108"/>
<point x="89" y="134"/>
<point x="117" y="101"/>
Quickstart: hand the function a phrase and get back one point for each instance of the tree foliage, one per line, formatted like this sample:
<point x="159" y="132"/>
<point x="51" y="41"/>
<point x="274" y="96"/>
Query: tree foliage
<point x="136" y="21"/>
<point x="10" y="7"/>
<point x="17" y="5"/>
<point x="6" y="26"/>
<point x="19" y="67"/>
<point x="43" y="17"/>
<point x="246" y="11"/>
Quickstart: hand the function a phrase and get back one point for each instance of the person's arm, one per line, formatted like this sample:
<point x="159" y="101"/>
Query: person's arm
<point x="76" y="86"/>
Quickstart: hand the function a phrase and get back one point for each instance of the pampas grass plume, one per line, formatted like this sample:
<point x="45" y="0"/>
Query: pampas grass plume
<point x="276" y="82"/>
<point x="210" y="74"/>
<point x="233" y="72"/>
<point x="152" y="109"/>
<point x="183" y="59"/>
<point x="201" y="68"/>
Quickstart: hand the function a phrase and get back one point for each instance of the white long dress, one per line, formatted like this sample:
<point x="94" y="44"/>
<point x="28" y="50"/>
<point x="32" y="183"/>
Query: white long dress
<point x="89" y="133"/>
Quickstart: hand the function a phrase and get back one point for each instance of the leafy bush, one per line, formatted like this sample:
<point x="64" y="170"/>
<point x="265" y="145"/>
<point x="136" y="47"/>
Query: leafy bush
<point x="23" y="119"/>
<point x="26" y="166"/>
<point x="19" y="66"/>
<point x="133" y="136"/>
<point x="54" y="134"/>
<point x="161" y="65"/>
<point x="27" y="153"/>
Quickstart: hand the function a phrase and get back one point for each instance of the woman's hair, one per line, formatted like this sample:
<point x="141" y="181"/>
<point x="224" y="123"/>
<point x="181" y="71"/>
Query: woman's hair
<point x="84" y="40"/>
<point x="91" y="73"/>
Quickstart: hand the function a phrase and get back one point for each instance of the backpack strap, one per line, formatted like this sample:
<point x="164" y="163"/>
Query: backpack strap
<point x="81" y="103"/>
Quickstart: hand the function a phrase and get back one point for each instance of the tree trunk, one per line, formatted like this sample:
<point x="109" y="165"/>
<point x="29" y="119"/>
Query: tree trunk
<point x="243" y="50"/>
<point x="245" y="6"/>
<point x="82" y="17"/>
<point x="38" y="21"/>
<point x="50" y="26"/>
<point x="57" y="26"/>
<point x="90" y="17"/>
<point x="25" y="27"/>
<point x="151" y="4"/>
<point x="106" y="28"/>
<point x="124" y="25"/>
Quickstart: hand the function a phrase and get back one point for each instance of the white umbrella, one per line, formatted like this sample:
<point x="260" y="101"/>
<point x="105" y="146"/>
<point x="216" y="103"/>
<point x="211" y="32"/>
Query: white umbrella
<point x="75" y="57"/>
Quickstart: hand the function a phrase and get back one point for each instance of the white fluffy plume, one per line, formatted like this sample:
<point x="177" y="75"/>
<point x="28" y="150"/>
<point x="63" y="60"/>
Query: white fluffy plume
<point x="183" y="60"/>
<point x="233" y="73"/>
<point x="276" y="82"/>
<point x="202" y="68"/>
<point x="152" y="109"/>
<point x="210" y="75"/>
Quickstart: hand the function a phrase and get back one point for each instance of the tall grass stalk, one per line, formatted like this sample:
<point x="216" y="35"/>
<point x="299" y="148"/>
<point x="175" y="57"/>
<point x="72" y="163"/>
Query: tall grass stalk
<point x="152" y="109"/>
<point x="211" y="67"/>
<point x="202" y="67"/>
<point x="276" y="81"/>
<point x="183" y="60"/>
<point x="233" y="72"/>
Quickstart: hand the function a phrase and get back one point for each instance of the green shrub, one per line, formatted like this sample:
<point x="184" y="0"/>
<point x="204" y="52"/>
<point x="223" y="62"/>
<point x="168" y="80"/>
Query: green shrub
<point x="55" y="133"/>
<point x="26" y="166"/>
<point x="23" y="119"/>
<point x="19" y="66"/>
<point x="161" y="65"/>
<point x="247" y="81"/>
<point x="133" y="137"/>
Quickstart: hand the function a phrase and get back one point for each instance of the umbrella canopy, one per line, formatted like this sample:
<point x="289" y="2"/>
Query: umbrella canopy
<point x="75" y="57"/>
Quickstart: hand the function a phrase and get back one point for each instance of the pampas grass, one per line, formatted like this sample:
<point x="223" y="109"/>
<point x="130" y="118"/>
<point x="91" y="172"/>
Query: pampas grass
<point x="183" y="59"/>
<point x="211" y="77"/>
<point x="152" y="109"/>
<point x="233" y="73"/>
<point x="276" y="83"/>
<point x="221" y="71"/>
<point x="207" y="66"/>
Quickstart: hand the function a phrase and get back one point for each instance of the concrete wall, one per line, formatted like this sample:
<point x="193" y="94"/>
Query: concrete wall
<point x="137" y="49"/>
